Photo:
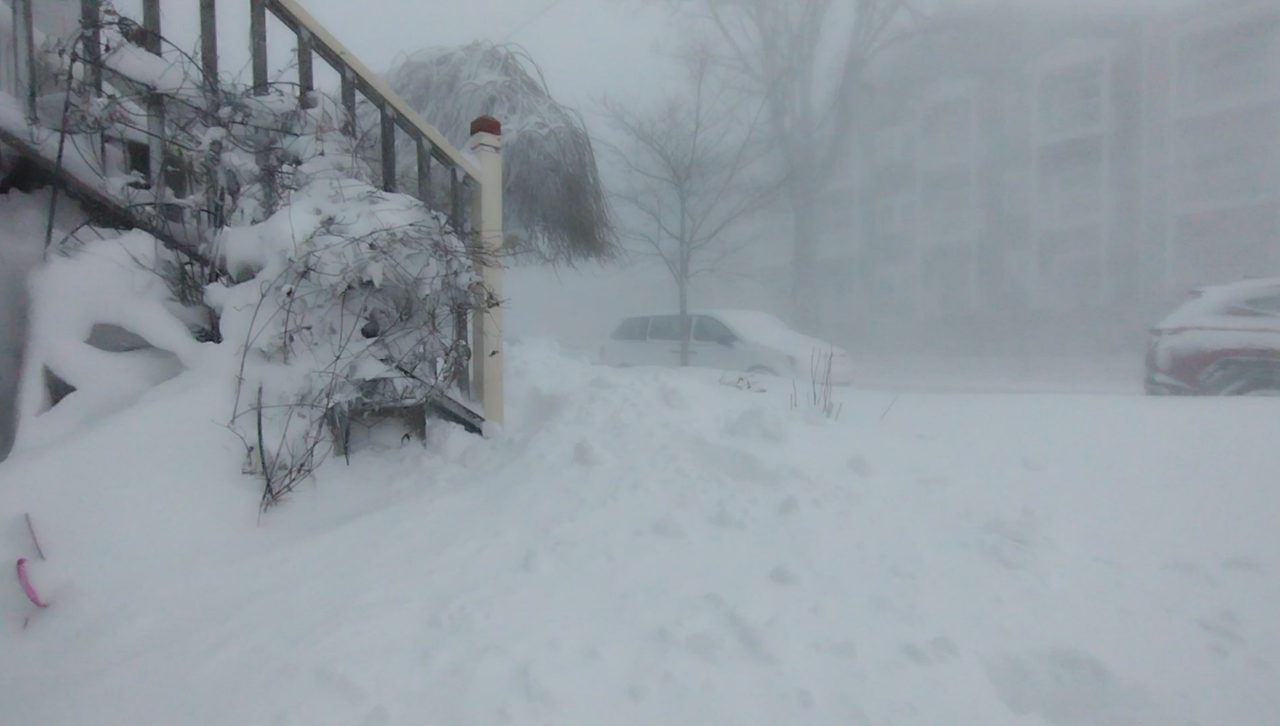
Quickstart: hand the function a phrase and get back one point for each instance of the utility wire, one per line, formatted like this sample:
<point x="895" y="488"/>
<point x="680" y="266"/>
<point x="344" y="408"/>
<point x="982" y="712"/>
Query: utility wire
<point x="538" y="16"/>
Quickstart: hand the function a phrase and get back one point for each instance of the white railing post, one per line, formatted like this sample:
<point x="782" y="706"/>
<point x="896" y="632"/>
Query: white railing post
<point x="486" y="325"/>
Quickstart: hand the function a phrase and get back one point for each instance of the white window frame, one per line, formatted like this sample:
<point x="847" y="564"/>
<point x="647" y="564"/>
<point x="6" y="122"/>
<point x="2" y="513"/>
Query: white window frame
<point x="937" y="226"/>
<point x="1225" y="71"/>
<point x="1062" y="204"/>
<point x="1064" y="110"/>
<point x="894" y="214"/>
<point x="950" y="142"/>
<point x="892" y="145"/>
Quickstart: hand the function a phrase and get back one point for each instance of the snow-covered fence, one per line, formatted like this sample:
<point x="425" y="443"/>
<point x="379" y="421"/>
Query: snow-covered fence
<point x="139" y="102"/>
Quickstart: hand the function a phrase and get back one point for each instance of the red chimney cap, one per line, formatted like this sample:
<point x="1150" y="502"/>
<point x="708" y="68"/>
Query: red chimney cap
<point x="486" y="125"/>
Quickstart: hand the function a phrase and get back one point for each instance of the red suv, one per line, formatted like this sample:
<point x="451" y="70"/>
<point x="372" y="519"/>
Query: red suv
<point x="1225" y="341"/>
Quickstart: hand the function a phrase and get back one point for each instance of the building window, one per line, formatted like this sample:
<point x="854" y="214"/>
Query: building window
<point x="945" y="130"/>
<point x="1016" y="193"/>
<point x="945" y="206"/>
<point x="892" y="146"/>
<point x="1070" y="269"/>
<point x="894" y="215"/>
<point x="1225" y="63"/>
<point x="886" y="292"/>
<point x="1071" y="101"/>
<point x="1227" y="244"/>
<point x="946" y="279"/>
<point x="1226" y="159"/>
<point x="1075" y="280"/>
<point x="1070" y="193"/>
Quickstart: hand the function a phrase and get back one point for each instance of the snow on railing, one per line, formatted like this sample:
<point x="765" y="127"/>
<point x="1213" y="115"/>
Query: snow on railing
<point x="471" y="185"/>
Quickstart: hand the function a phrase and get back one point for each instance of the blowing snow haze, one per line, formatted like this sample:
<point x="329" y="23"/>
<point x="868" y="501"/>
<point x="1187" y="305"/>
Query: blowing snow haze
<point x="901" y="362"/>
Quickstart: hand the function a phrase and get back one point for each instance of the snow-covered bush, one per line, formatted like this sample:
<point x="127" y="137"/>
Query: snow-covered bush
<point x="349" y="295"/>
<point x="327" y="292"/>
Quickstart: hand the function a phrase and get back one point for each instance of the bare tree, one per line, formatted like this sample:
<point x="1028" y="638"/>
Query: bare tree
<point x="689" y="174"/>
<point x="779" y="51"/>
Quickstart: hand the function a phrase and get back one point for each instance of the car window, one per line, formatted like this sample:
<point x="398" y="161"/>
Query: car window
<point x="709" y="330"/>
<point x="1269" y="305"/>
<point x="632" y="329"/>
<point x="665" y="327"/>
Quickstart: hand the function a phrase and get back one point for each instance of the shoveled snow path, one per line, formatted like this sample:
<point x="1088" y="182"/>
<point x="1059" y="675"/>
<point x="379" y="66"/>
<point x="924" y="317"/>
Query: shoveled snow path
<point x="650" y="547"/>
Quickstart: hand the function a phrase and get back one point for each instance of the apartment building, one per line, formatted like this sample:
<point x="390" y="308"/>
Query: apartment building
<point x="1211" y="169"/>
<point x="1049" y="171"/>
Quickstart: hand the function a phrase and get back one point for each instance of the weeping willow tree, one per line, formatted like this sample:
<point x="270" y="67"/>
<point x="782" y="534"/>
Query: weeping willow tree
<point x="554" y="202"/>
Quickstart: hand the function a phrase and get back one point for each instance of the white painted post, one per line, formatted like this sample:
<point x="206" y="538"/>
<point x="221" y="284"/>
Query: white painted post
<point x="486" y="214"/>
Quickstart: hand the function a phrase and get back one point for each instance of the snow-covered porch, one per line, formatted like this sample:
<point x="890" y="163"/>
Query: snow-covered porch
<point x="130" y="127"/>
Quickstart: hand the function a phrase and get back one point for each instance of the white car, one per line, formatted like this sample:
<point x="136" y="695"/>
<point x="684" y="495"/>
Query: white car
<point x="731" y="340"/>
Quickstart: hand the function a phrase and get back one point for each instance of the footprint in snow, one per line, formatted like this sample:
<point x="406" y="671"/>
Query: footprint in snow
<point x="782" y="576"/>
<point x="585" y="454"/>
<point x="1191" y="570"/>
<point x="530" y="563"/>
<point x="674" y="398"/>
<point x="859" y="466"/>
<point x="844" y="649"/>
<point x="939" y="650"/>
<point x="804" y="698"/>
<point x="335" y="683"/>
<point x="916" y="654"/>
<point x="1224" y="631"/>
<point x="668" y="528"/>
<point x="1065" y="688"/>
<point x="945" y="648"/>
<point x="1242" y="564"/>
<point x="789" y="505"/>
<point x="377" y="717"/>
<point x="1031" y="464"/>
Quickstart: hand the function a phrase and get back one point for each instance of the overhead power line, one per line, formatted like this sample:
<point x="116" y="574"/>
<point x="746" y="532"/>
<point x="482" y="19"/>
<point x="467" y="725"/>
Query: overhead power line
<point x="536" y="17"/>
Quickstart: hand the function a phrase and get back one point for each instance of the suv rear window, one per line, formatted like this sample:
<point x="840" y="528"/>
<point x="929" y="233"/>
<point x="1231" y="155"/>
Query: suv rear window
<point x="1269" y="305"/>
<point x="665" y="327"/>
<point x="632" y="329"/>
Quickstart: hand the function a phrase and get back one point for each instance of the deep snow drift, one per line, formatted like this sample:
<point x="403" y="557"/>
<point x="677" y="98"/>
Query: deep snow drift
<point x="651" y="546"/>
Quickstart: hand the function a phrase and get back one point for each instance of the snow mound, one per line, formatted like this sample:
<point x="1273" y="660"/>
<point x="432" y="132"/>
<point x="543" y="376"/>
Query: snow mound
<point x="108" y="282"/>
<point x="650" y="546"/>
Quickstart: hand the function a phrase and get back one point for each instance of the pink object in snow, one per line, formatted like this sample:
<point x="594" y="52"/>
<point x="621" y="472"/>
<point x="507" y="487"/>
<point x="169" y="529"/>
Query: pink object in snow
<point x="27" y="587"/>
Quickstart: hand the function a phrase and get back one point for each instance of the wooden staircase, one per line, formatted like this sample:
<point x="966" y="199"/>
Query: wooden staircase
<point x="142" y="167"/>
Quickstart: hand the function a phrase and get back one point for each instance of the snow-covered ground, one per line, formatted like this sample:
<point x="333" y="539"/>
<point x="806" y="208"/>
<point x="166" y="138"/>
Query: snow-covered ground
<point x="1013" y="374"/>
<point x="654" y="547"/>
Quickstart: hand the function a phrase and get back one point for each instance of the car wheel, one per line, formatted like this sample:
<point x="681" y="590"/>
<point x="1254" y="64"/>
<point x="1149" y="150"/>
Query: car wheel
<point x="762" y="370"/>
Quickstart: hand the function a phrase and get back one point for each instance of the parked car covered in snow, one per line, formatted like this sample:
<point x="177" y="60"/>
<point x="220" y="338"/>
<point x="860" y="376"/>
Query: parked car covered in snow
<point x="1225" y="341"/>
<point x="733" y="340"/>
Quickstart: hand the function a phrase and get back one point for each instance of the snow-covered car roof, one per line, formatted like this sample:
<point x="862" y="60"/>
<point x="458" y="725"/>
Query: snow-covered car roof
<point x="1212" y="301"/>
<point x="760" y="328"/>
